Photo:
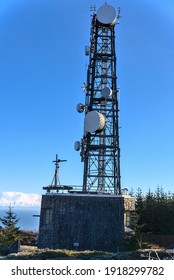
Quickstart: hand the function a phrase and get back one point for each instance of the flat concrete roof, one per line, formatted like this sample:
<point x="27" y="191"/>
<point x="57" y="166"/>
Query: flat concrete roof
<point x="84" y="195"/>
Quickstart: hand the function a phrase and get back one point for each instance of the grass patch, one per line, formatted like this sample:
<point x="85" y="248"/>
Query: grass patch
<point x="32" y="252"/>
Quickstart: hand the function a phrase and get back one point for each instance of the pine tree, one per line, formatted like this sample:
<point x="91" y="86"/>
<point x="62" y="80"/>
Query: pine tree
<point x="170" y="213"/>
<point x="149" y="213"/>
<point x="9" y="232"/>
<point x="161" y="211"/>
<point x="139" y="205"/>
<point x="137" y="227"/>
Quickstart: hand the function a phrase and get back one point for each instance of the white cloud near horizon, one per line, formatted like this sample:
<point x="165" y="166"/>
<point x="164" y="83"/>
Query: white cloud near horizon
<point x="19" y="199"/>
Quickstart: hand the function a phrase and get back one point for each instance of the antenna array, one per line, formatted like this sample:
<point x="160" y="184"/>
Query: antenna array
<point x="99" y="147"/>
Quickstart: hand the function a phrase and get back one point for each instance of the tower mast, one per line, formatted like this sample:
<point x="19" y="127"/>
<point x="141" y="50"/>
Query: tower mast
<point x="100" y="149"/>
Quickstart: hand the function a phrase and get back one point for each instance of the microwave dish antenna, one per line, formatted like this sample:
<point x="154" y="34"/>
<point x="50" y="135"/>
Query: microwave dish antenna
<point x="80" y="107"/>
<point x="94" y="122"/>
<point x="106" y="14"/>
<point x="77" y="146"/>
<point x="106" y="92"/>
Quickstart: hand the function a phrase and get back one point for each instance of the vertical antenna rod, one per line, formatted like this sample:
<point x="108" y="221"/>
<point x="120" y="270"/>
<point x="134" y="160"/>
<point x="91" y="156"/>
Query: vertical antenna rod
<point x="56" y="181"/>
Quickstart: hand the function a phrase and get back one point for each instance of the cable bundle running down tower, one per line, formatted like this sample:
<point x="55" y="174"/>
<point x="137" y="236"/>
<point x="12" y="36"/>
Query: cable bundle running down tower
<point x="99" y="148"/>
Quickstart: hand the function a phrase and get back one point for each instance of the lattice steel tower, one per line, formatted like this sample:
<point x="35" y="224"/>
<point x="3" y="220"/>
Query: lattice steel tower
<point x="99" y="148"/>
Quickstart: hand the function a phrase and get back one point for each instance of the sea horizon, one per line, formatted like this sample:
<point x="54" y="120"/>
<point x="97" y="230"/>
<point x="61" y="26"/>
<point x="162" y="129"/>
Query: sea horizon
<point x="25" y="216"/>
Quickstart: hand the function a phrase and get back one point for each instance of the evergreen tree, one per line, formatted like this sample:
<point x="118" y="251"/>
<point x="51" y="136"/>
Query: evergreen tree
<point x="139" y="235"/>
<point x="155" y="211"/>
<point x="154" y="214"/>
<point x="139" y="201"/>
<point x="131" y="192"/>
<point x="161" y="221"/>
<point x="170" y="214"/>
<point x="9" y="232"/>
<point x="139" y="205"/>
<point x="148" y="215"/>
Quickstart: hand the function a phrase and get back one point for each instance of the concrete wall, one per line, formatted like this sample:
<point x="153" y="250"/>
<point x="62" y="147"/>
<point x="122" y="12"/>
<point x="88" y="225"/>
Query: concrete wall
<point x="83" y="222"/>
<point x="129" y="210"/>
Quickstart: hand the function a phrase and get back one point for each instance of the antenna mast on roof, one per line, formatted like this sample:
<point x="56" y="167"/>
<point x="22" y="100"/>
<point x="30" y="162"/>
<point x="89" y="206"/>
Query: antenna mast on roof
<point x="55" y="185"/>
<point x="56" y="181"/>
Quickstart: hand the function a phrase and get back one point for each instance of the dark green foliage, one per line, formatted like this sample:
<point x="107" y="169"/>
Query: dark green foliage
<point x="138" y="236"/>
<point x="139" y="205"/>
<point x="9" y="233"/>
<point x="155" y="211"/>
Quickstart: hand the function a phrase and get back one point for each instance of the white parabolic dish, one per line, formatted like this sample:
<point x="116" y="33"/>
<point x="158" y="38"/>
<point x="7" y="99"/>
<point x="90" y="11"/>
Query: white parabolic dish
<point x="106" y="92"/>
<point x="106" y="14"/>
<point x="94" y="121"/>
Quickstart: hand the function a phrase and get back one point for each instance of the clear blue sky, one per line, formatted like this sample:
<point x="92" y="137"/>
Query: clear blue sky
<point x="42" y="69"/>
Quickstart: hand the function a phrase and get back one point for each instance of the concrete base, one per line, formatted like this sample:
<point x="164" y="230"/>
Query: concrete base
<point x="81" y="222"/>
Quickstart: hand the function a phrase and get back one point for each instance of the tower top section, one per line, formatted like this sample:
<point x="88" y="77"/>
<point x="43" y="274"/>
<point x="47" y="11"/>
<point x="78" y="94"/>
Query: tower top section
<point x="106" y="14"/>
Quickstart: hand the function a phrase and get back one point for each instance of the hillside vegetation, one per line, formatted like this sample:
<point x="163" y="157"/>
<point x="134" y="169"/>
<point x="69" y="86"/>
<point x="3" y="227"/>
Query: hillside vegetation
<point x="32" y="253"/>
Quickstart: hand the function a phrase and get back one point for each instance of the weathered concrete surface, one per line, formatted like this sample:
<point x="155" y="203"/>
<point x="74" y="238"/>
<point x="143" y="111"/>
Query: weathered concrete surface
<point x="129" y="203"/>
<point x="83" y="222"/>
